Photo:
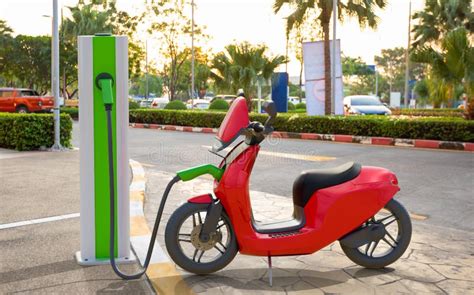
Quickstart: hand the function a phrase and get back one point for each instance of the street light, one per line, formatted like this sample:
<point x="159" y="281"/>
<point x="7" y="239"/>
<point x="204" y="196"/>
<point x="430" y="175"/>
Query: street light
<point x="407" y="59"/>
<point x="192" y="54"/>
<point x="333" y="67"/>
<point x="55" y="76"/>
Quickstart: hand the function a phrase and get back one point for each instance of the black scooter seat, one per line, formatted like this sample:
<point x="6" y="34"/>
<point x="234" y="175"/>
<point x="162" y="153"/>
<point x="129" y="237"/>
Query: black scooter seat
<point x="310" y="181"/>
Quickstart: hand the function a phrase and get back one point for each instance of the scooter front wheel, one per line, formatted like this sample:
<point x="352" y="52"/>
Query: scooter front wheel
<point x="186" y="248"/>
<point x="378" y="254"/>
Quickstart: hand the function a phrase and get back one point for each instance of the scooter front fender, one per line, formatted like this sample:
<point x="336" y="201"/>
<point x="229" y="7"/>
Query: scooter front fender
<point x="203" y="199"/>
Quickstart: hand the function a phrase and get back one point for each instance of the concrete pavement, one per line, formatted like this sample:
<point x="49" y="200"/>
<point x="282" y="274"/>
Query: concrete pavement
<point x="38" y="258"/>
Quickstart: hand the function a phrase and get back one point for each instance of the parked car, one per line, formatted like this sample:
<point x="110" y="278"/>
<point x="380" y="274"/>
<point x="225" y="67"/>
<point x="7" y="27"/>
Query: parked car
<point x="22" y="100"/>
<point x="296" y="99"/>
<point x="364" y="105"/>
<point x="201" y="104"/>
<point x="146" y="103"/>
<point x="227" y="97"/>
<point x="160" y="103"/>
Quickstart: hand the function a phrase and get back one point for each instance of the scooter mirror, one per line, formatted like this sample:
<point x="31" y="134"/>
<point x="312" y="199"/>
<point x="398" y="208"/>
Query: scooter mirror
<point x="270" y="108"/>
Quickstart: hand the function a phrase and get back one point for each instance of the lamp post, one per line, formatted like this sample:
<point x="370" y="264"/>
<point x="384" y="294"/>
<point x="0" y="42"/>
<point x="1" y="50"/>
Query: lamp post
<point x="333" y="66"/>
<point x="55" y="76"/>
<point x="407" y="59"/>
<point x="192" y="54"/>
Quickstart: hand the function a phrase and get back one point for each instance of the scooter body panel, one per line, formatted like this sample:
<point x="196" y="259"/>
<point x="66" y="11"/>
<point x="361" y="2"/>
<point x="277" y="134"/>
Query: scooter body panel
<point x="330" y="214"/>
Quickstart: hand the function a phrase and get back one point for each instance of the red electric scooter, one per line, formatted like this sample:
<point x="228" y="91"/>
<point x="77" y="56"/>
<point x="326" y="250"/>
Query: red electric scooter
<point x="351" y="203"/>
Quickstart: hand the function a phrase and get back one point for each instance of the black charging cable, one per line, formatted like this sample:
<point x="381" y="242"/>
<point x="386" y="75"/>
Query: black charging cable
<point x="108" y="109"/>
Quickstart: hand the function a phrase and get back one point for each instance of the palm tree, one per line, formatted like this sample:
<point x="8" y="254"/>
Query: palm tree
<point x="453" y="65"/>
<point x="364" y="10"/>
<point x="440" y="17"/>
<point x="241" y="66"/>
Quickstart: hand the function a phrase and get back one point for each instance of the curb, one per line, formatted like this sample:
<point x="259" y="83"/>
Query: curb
<point x="161" y="273"/>
<point x="367" y="140"/>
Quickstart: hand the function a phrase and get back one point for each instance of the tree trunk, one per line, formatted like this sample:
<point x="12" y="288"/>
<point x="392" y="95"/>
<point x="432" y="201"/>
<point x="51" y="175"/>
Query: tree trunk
<point x="327" y="68"/>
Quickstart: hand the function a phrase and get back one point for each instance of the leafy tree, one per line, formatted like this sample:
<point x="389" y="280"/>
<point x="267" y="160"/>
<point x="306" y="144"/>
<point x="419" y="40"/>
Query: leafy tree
<point x="155" y="85"/>
<point x="171" y="25"/>
<point x="451" y="66"/>
<point x="363" y="10"/>
<point x="439" y="17"/>
<point x="305" y="32"/>
<point x="391" y="66"/>
<point x="88" y="19"/>
<point x="241" y="66"/>
<point x="6" y="45"/>
<point x="355" y="67"/>
<point x="202" y="73"/>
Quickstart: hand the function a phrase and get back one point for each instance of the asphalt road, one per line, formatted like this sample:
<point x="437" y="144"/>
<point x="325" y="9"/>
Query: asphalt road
<point x="435" y="183"/>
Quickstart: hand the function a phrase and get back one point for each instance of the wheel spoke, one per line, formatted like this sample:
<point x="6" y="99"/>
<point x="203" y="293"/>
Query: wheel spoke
<point x="373" y="249"/>
<point x="367" y="247"/>
<point x="220" y="225"/>
<point x="194" y="221"/>
<point x="217" y="248"/>
<point x="385" y="218"/>
<point x="200" y="218"/>
<point x="391" y="237"/>
<point x="388" y="242"/>
<point x="184" y="238"/>
<point x="390" y="222"/>
<point x="200" y="256"/>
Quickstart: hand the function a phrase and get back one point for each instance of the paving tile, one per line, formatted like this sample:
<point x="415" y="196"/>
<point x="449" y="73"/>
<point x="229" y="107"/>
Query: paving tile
<point x="455" y="272"/>
<point x="421" y="288"/>
<point x="373" y="277"/>
<point x="393" y="288"/>
<point x="416" y="271"/>
<point x="455" y="287"/>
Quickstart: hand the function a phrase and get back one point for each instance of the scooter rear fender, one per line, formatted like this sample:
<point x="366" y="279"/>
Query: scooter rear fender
<point x="202" y="199"/>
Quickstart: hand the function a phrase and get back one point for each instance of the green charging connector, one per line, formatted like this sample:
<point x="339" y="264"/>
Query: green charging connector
<point x="105" y="82"/>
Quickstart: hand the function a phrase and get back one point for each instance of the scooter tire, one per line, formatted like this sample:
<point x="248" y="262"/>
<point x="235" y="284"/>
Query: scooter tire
<point x="405" y="228"/>
<point x="175" y="251"/>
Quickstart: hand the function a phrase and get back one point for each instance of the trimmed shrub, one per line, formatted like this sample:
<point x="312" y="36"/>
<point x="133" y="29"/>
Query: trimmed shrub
<point x="133" y="105"/>
<point x="175" y="105"/>
<point x="448" y="129"/>
<point x="73" y="112"/>
<point x="428" y="112"/>
<point x="300" y="106"/>
<point x="219" y="104"/>
<point x="291" y="106"/>
<point x="26" y="132"/>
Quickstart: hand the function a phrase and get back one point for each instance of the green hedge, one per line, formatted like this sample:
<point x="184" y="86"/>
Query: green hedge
<point x="219" y="104"/>
<point x="448" y="129"/>
<point x="175" y="105"/>
<point x="300" y="106"/>
<point x="25" y="132"/>
<point x="73" y="112"/>
<point x="429" y="112"/>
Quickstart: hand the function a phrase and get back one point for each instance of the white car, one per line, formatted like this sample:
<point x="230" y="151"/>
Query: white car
<point x="200" y="104"/>
<point x="296" y="99"/>
<point x="364" y="105"/>
<point x="160" y="103"/>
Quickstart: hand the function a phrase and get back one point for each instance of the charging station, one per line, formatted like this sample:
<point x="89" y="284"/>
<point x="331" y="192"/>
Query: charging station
<point x="98" y="55"/>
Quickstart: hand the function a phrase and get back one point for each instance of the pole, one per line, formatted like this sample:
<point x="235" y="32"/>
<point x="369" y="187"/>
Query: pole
<point x="376" y="83"/>
<point x="333" y="67"/>
<point x="192" y="54"/>
<point x="407" y="59"/>
<point x="259" y="104"/>
<point x="55" y="76"/>
<point x="286" y="53"/>
<point x="146" y="69"/>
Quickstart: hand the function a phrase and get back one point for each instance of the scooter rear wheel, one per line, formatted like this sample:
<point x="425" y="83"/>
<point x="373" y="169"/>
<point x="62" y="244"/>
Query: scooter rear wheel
<point x="188" y="251"/>
<point x="378" y="254"/>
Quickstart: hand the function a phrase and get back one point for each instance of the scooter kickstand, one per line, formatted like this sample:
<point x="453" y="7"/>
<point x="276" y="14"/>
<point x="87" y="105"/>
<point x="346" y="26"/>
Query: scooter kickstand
<point x="270" y="275"/>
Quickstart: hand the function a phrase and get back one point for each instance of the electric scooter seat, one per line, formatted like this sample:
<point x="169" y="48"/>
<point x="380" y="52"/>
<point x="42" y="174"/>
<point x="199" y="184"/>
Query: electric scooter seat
<point x="310" y="181"/>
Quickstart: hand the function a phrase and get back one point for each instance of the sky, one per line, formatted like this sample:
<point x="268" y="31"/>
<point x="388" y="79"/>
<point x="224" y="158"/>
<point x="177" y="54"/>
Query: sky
<point x="228" y="21"/>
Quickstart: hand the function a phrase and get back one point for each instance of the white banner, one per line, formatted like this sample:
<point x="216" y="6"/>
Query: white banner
<point x="313" y="58"/>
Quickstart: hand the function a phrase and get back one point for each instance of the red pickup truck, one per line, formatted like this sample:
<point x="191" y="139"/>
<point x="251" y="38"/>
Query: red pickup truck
<point x="22" y="100"/>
